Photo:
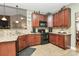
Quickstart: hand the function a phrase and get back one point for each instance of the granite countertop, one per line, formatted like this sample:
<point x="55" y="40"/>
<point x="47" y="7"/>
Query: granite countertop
<point x="33" y="33"/>
<point x="60" y="33"/>
<point x="8" y="38"/>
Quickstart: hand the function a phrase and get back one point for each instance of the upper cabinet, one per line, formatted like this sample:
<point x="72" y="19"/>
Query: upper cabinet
<point x="56" y="20"/>
<point x="62" y="18"/>
<point x="36" y="18"/>
<point x="67" y="19"/>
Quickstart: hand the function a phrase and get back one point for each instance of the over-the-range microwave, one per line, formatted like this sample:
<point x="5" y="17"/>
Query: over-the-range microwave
<point x="43" y="24"/>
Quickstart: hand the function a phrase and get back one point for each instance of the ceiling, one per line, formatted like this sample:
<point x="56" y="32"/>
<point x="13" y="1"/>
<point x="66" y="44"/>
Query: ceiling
<point x="42" y="7"/>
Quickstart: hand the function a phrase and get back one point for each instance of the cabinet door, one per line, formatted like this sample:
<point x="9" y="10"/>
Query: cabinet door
<point x="42" y="17"/>
<point x="35" y="20"/>
<point x="56" y="39"/>
<point x="54" y="20"/>
<point x="61" y="18"/>
<point x="61" y="41"/>
<point x="25" y="43"/>
<point x="50" y="38"/>
<point x="37" y="39"/>
<point x="53" y="39"/>
<point x="30" y="40"/>
<point x="57" y="20"/>
<point x="67" y="17"/>
<point x="22" y="42"/>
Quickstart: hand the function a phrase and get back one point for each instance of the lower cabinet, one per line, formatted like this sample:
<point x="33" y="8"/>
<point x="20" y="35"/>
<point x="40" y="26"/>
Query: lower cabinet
<point x="28" y="40"/>
<point x="34" y="39"/>
<point x="22" y="42"/>
<point x="8" y="48"/>
<point x="62" y="41"/>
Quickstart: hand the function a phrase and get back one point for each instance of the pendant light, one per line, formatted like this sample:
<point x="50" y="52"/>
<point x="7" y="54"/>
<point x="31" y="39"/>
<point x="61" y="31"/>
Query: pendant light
<point x="17" y="15"/>
<point x="4" y="18"/>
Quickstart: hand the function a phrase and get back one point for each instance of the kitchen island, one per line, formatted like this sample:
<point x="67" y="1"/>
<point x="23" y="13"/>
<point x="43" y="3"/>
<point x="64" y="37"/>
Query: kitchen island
<point x="8" y="45"/>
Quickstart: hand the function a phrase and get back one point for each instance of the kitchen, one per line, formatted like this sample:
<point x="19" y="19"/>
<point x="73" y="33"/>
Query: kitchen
<point x="35" y="28"/>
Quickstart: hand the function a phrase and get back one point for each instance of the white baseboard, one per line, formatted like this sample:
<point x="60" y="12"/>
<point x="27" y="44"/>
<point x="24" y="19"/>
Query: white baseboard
<point x="73" y="48"/>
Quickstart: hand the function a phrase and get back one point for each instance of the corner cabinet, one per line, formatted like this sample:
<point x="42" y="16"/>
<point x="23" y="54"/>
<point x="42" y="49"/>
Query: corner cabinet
<point x="25" y="41"/>
<point x="34" y="39"/>
<point x="62" y="18"/>
<point x="59" y="40"/>
<point x="22" y="42"/>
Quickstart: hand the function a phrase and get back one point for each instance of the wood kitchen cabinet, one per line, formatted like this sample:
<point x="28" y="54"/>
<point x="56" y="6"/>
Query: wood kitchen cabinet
<point x="42" y="17"/>
<point x="34" y="39"/>
<point x="59" y="40"/>
<point x="62" y="18"/>
<point x="22" y="42"/>
<point x="67" y="17"/>
<point x="38" y="39"/>
<point x="36" y="18"/>
<point x="8" y="48"/>
<point x="51" y="39"/>
<point x="54" y="21"/>
<point x="28" y="40"/>
<point x="57" y="20"/>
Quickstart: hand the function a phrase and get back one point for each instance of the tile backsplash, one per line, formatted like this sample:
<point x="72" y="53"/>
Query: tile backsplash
<point x="56" y="30"/>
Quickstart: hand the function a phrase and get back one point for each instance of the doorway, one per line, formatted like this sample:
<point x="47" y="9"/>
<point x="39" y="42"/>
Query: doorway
<point x="77" y="30"/>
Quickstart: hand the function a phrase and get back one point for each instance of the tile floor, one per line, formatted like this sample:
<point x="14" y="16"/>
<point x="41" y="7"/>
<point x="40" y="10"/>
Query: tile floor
<point x="52" y="50"/>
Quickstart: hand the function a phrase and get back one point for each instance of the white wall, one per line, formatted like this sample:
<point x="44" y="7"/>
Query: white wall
<point x="74" y="8"/>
